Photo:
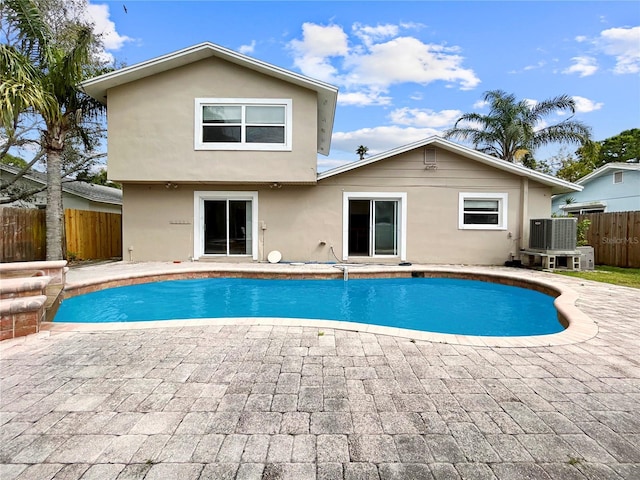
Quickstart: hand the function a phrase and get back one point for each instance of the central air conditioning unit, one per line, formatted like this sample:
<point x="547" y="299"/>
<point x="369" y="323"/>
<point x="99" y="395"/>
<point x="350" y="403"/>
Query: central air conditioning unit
<point x="553" y="234"/>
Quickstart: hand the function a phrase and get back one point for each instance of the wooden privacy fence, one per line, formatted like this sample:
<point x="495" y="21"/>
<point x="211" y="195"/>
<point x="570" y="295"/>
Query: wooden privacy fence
<point x="615" y="238"/>
<point x="89" y="235"/>
<point x="92" y="235"/>
<point x="23" y="234"/>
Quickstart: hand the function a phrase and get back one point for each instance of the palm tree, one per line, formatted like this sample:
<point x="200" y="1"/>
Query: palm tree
<point x="40" y="77"/>
<point x="511" y="131"/>
<point x="362" y="151"/>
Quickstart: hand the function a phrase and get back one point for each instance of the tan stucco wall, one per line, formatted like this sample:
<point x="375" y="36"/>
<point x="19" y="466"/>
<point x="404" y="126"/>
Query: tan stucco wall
<point x="158" y="222"/>
<point x="151" y="128"/>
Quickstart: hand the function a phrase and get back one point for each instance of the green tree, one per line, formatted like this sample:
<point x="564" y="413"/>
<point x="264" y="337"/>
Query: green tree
<point x="569" y="167"/>
<point x="362" y="151"/>
<point x="619" y="148"/>
<point x="98" y="178"/>
<point x="14" y="161"/>
<point x="41" y="70"/>
<point x="510" y="130"/>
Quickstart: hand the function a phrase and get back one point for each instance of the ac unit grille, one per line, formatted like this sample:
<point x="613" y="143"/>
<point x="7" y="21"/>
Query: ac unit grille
<point x="555" y="234"/>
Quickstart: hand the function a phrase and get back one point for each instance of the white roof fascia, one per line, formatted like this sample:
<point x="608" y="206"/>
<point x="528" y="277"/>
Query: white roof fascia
<point x="559" y="185"/>
<point x="327" y="94"/>
<point x="603" y="169"/>
<point x="578" y="206"/>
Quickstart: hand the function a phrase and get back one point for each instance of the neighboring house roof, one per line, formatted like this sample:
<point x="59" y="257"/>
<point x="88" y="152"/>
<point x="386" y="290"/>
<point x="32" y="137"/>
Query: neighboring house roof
<point x="605" y="169"/>
<point x="557" y="185"/>
<point x="594" y="205"/>
<point x="327" y="94"/>
<point x="89" y="191"/>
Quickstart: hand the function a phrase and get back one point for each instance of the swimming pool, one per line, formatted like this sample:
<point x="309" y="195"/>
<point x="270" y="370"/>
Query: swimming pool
<point x="441" y="305"/>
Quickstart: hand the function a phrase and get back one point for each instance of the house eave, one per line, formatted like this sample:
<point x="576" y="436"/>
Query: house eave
<point x="327" y="94"/>
<point x="557" y="185"/>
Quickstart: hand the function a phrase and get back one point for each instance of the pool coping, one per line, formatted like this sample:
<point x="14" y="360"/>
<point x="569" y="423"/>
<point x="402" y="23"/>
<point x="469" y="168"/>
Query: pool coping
<point x="579" y="326"/>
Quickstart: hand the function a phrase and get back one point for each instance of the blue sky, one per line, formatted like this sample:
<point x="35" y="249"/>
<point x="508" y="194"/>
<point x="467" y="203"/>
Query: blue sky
<point x="408" y="70"/>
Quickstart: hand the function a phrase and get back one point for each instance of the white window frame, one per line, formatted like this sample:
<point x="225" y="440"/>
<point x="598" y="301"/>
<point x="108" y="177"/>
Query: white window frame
<point x="199" y="197"/>
<point x="502" y="210"/>
<point x="618" y="175"/>
<point x="400" y="197"/>
<point x="199" y="144"/>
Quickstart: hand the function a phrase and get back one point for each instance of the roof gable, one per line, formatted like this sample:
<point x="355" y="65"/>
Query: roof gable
<point x="606" y="168"/>
<point x="557" y="185"/>
<point x="327" y="94"/>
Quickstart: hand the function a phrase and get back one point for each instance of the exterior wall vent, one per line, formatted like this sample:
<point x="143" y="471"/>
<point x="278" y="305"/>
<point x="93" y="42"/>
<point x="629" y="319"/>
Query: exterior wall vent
<point x="617" y="177"/>
<point x="553" y="234"/>
<point x="430" y="159"/>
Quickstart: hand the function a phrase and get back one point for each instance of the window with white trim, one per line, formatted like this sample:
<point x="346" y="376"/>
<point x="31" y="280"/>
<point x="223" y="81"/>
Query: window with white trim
<point x="243" y="124"/>
<point x="482" y="211"/>
<point x="374" y="224"/>
<point x="225" y="223"/>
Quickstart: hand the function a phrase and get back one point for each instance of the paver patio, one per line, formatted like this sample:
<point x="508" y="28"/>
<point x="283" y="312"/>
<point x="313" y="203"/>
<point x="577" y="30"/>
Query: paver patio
<point x="214" y="401"/>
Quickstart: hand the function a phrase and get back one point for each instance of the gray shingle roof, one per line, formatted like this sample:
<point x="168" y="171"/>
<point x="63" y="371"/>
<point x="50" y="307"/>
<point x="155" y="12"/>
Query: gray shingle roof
<point x="90" y="191"/>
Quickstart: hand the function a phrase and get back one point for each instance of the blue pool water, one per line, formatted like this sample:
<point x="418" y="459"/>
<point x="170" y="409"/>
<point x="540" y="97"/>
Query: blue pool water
<point x="442" y="305"/>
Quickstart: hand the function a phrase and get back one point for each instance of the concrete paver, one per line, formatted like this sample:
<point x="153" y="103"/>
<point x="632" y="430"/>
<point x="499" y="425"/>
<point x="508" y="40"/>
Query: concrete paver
<point x="244" y="400"/>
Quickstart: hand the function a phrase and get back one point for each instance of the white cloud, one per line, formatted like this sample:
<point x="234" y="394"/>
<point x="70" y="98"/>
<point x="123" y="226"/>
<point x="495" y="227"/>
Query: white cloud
<point x="583" y="66"/>
<point x="374" y="59"/>
<point x="480" y="104"/>
<point x="247" y="49"/>
<point x="584" y="105"/>
<point x="379" y="139"/>
<point x="364" y="98"/>
<point x="581" y="38"/>
<point x="624" y="45"/>
<point x="98" y="15"/>
<point x="424" y="118"/>
<point x="413" y="61"/>
<point x="369" y="34"/>
<point x="312" y="54"/>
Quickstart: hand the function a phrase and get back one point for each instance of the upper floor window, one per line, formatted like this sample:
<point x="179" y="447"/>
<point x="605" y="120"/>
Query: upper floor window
<point x="243" y="124"/>
<point x="482" y="211"/>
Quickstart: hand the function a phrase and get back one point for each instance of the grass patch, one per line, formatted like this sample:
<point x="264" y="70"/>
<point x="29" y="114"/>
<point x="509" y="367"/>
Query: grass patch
<point x="627" y="277"/>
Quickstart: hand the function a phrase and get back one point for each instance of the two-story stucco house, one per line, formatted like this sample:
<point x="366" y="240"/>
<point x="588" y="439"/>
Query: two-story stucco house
<point x="614" y="187"/>
<point x="217" y="154"/>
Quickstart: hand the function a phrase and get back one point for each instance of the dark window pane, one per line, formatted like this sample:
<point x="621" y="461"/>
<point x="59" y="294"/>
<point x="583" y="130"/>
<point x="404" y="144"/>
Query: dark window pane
<point x="481" y="219"/>
<point x="239" y="210"/>
<point x="265" y="134"/>
<point x="385" y="212"/>
<point x="215" y="224"/>
<point x="220" y="134"/>
<point x="359" y="224"/>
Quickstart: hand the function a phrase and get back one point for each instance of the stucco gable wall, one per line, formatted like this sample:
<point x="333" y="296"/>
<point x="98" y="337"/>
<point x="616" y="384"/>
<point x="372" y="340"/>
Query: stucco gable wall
<point x="151" y="128"/>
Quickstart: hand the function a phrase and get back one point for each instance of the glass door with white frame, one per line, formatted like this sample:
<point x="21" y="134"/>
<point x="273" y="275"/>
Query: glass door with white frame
<point x="227" y="227"/>
<point x="373" y="227"/>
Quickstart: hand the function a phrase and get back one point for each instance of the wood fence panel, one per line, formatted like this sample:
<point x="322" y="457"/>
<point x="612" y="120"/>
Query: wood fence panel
<point x="23" y="234"/>
<point x="615" y="238"/>
<point x="93" y="235"/>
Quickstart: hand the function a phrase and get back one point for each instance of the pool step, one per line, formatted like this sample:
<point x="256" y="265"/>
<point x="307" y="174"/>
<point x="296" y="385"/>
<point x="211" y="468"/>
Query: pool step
<point x="29" y="294"/>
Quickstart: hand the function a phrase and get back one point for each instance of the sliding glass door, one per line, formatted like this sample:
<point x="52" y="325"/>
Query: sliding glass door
<point x="227" y="227"/>
<point x="373" y="227"/>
